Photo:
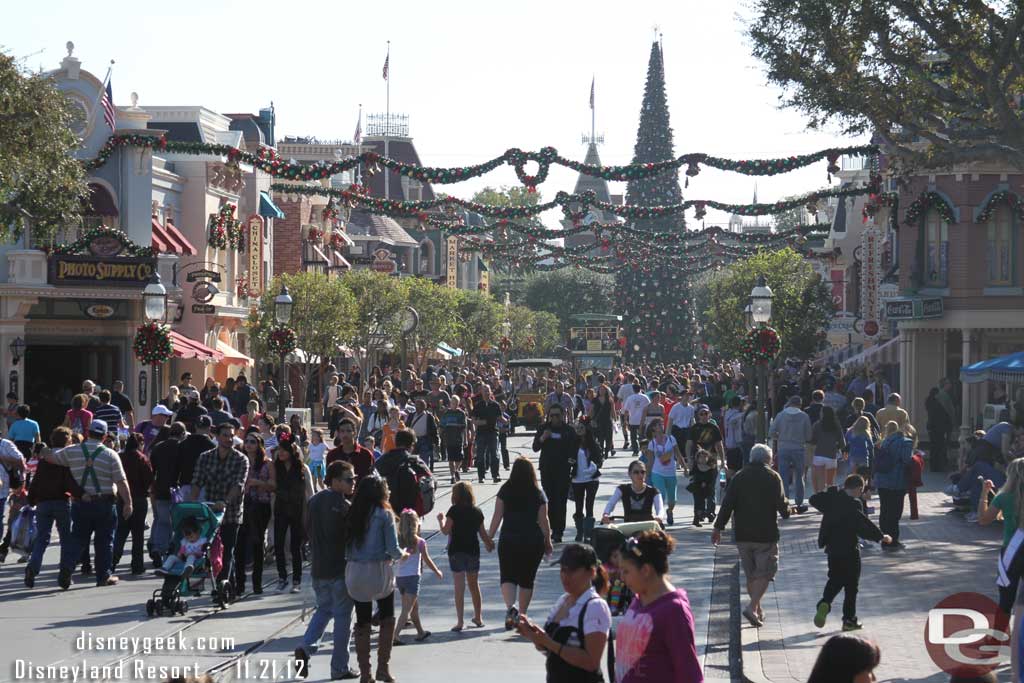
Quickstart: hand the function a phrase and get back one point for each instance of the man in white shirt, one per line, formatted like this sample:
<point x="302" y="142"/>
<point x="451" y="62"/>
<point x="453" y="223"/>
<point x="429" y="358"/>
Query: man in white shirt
<point x="680" y="417"/>
<point x="635" y="405"/>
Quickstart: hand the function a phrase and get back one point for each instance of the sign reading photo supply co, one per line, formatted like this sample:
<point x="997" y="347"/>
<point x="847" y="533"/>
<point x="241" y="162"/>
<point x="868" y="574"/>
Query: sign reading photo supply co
<point x="105" y="272"/>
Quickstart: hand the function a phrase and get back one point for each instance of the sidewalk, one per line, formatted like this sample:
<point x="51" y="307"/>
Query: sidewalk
<point x="944" y="555"/>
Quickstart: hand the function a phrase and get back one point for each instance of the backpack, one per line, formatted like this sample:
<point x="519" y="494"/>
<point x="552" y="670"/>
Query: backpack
<point x="424" y="481"/>
<point x="888" y="455"/>
<point x="76" y="425"/>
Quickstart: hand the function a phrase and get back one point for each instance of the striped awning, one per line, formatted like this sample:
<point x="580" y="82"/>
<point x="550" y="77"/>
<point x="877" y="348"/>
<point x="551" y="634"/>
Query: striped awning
<point x="884" y="353"/>
<point x="1008" y="368"/>
<point x="167" y="239"/>
<point x="190" y="348"/>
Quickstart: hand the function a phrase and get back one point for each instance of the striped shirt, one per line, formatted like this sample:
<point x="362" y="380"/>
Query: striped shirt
<point x="107" y="466"/>
<point x="110" y="414"/>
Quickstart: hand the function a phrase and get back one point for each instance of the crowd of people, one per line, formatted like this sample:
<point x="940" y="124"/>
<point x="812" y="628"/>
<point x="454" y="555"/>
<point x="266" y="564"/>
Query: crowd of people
<point x="349" y="496"/>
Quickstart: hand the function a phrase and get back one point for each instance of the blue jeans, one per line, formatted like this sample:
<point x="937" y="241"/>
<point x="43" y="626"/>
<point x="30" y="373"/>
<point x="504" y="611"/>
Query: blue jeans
<point x="332" y="602"/>
<point x="487" y="454"/>
<point x="3" y="510"/>
<point x="425" y="449"/>
<point x="99" y="519"/>
<point x="48" y="512"/>
<point x="160" y="534"/>
<point x="791" y="466"/>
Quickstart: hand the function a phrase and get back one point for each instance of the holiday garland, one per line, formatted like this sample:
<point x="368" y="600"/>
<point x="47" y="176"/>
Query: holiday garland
<point x="926" y="201"/>
<point x="152" y="345"/>
<point x="224" y="230"/>
<point x="282" y="340"/>
<point x="81" y="245"/>
<point x="761" y="345"/>
<point x="1002" y="196"/>
<point x="268" y="160"/>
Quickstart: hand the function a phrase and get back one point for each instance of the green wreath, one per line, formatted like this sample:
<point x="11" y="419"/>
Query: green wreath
<point x="152" y="345"/>
<point x="761" y="345"/>
<point x="282" y="340"/>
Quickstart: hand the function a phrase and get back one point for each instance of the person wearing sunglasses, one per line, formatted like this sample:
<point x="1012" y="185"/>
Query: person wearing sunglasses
<point x="704" y="434"/>
<point x="655" y="638"/>
<point x="326" y="527"/>
<point x="260" y="484"/>
<point x="640" y="501"/>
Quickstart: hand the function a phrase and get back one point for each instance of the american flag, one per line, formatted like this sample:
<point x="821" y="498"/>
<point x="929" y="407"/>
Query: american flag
<point x="386" y="60"/>
<point x="359" y="129"/>
<point x="108" y="106"/>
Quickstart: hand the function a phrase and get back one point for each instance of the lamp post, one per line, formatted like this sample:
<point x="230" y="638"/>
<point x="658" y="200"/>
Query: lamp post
<point x="282" y="316"/>
<point x="154" y="309"/>
<point x="760" y="308"/>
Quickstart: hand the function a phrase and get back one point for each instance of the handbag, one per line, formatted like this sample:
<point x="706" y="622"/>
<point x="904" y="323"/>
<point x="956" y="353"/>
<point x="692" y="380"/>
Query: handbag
<point x="369" y="581"/>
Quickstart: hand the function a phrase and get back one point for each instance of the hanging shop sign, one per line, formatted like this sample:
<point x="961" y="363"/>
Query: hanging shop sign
<point x="383" y="262"/>
<point x="100" y="311"/>
<point x="485" y="282"/>
<point x="90" y="270"/>
<point x="871" y="278"/>
<point x="914" y="309"/>
<point x="202" y="274"/>
<point x="255" y="228"/>
<point x="452" y="270"/>
<point x="203" y="309"/>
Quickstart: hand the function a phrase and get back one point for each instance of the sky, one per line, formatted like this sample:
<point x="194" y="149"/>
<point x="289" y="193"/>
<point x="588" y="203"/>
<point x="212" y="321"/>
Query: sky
<point x="475" y="78"/>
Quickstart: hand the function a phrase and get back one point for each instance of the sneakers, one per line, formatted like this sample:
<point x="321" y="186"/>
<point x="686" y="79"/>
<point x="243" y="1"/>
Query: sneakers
<point x="30" y="578"/>
<point x="281" y="584"/>
<point x="497" y="480"/>
<point x="109" y="581"/>
<point x="301" y="663"/>
<point x="696" y="521"/>
<point x="64" y="579"/>
<point x="801" y="509"/>
<point x="852" y="624"/>
<point x="972" y="517"/>
<point x="296" y="587"/>
<point x="671" y="521"/>
<point x="822" y="614"/>
<point x="511" y="617"/>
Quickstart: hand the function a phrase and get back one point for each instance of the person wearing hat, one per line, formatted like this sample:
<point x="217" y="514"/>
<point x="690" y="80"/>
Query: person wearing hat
<point x="99" y="472"/>
<point x="165" y="460"/>
<point x="576" y="631"/>
<point x="151" y="428"/>
<point x="704" y="434"/>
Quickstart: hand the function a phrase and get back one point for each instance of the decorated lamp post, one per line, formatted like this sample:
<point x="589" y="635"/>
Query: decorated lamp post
<point x="761" y="346"/>
<point x="152" y="344"/>
<point x="282" y="341"/>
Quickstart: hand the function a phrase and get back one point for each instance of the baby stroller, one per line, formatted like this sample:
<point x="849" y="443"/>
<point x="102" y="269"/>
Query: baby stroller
<point x="169" y="598"/>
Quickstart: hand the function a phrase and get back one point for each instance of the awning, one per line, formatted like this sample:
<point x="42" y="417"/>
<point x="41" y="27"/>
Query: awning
<point x="451" y="351"/>
<point x="190" y="348"/>
<point x="344" y="237"/>
<point x="268" y="209"/>
<point x="878" y="354"/>
<point x="1003" y="369"/>
<point x="167" y="239"/>
<point x="233" y="356"/>
<point x="99" y="203"/>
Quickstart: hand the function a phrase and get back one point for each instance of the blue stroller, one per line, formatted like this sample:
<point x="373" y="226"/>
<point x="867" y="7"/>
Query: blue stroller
<point x="179" y="583"/>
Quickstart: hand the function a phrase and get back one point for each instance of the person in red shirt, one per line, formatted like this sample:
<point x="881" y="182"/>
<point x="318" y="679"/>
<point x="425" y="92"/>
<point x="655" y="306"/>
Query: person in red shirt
<point x="347" y="450"/>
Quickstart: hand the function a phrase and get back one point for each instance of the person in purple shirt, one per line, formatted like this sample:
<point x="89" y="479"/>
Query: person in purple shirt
<point x="150" y="428"/>
<point x="655" y="640"/>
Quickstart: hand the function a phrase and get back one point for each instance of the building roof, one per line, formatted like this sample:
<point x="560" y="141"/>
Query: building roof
<point x="362" y="222"/>
<point x="250" y="130"/>
<point x="178" y="131"/>
<point x="586" y="182"/>
<point x="400" y="149"/>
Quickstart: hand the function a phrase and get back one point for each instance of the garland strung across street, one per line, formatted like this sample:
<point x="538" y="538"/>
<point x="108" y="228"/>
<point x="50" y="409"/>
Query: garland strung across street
<point x="573" y="205"/>
<point x="268" y="160"/>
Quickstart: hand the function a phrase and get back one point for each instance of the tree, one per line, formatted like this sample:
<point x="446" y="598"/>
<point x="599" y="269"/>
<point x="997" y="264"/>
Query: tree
<point x="479" y="316"/>
<point x="568" y="291"/>
<point x="946" y="73"/>
<point x="546" y="332"/>
<point x="41" y="182"/>
<point x="801" y="309"/>
<point x="436" y="306"/>
<point x="657" y="310"/>
<point x="323" y="312"/>
<point x="379" y="299"/>
<point x="508" y="196"/>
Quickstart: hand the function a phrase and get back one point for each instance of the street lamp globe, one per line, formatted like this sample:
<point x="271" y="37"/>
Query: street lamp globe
<point x="761" y="301"/>
<point x="154" y="298"/>
<point x="748" y="317"/>
<point x="283" y="306"/>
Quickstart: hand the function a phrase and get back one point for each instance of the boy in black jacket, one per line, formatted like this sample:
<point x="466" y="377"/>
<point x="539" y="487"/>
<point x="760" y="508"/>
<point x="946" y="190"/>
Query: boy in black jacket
<point x="843" y="521"/>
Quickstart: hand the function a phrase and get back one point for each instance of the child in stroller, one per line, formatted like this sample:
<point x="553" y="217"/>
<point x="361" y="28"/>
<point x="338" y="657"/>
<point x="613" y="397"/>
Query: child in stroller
<point x="195" y="555"/>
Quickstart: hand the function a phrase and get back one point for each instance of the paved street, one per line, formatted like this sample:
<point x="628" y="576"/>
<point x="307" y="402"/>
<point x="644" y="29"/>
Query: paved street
<point x="42" y="624"/>
<point x="944" y="555"/>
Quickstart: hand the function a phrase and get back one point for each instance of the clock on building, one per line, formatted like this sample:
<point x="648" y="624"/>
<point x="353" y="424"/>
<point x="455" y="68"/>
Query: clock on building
<point x="79" y="116"/>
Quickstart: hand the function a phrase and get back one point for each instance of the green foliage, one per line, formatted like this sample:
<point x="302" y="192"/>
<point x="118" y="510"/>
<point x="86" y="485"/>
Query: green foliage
<point x="436" y="306"/>
<point x="569" y="291"/>
<point x="379" y="300"/>
<point x="480" y="317"/>
<point x="801" y="309"/>
<point x="945" y="73"/>
<point x="40" y="180"/>
<point x="322" y="317"/>
<point x="546" y="332"/>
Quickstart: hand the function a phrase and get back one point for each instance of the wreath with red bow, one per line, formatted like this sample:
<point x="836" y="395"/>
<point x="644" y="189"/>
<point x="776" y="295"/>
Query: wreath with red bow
<point x="761" y="345"/>
<point x="152" y="344"/>
<point x="282" y="340"/>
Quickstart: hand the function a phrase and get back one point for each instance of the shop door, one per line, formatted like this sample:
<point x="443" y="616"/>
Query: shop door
<point x="55" y="374"/>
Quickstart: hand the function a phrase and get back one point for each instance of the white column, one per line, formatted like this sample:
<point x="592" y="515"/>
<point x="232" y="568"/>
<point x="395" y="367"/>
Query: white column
<point x="907" y="374"/>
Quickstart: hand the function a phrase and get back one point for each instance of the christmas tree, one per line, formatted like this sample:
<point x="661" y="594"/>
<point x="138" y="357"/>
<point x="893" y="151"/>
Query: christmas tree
<point x="657" y="308"/>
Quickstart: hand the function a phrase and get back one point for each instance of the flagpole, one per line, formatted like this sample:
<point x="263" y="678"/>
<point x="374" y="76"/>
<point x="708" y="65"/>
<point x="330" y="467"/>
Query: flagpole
<point x="593" y="125"/>
<point x="103" y="87"/>
<point x="387" y="123"/>
<point x="359" y="143"/>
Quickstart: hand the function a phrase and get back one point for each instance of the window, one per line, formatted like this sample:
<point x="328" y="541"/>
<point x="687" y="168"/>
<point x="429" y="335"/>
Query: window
<point x="936" y="250"/>
<point x="1000" y="247"/>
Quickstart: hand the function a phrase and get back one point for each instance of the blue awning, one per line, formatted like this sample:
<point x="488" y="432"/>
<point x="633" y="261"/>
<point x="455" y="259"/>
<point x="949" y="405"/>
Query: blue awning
<point x="441" y="346"/>
<point x="1003" y="369"/>
<point x="268" y="209"/>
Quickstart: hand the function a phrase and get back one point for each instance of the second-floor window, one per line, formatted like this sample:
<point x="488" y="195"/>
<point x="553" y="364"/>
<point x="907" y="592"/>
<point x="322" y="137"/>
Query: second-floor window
<point x="1000" y="247"/>
<point x="936" y="236"/>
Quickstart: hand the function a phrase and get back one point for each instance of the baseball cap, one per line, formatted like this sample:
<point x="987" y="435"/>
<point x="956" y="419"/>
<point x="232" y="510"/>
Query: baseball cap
<point x="98" y="427"/>
<point x="204" y="421"/>
<point x="577" y="556"/>
<point x="704" y="407"/>
<point x="162" y="410"/>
